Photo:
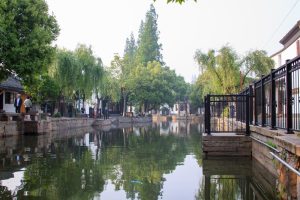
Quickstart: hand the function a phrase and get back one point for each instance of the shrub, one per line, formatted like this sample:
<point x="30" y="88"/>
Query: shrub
<point x="57" y="115"/>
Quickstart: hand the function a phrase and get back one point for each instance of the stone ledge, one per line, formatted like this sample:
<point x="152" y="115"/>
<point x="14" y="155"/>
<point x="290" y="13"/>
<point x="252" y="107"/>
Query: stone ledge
<point x="289" y="142"/>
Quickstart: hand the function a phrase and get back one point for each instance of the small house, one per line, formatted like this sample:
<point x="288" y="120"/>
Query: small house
<point x="8" y="93"/>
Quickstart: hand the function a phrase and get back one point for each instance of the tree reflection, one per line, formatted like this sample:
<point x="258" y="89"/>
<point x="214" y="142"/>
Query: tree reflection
<point x="133" y="159"/>
<point x="225" y="187"/>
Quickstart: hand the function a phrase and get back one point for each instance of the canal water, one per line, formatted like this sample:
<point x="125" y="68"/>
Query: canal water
<point x="148" y="162"/>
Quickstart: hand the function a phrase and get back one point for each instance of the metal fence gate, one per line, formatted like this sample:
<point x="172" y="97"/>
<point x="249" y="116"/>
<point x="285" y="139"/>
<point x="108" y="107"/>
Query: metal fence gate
<point x="227" y="113"/>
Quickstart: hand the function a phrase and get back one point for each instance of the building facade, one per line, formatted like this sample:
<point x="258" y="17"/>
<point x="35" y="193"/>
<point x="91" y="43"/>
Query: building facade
<point x="8" y="93"/>
<point x="291" y="46"/>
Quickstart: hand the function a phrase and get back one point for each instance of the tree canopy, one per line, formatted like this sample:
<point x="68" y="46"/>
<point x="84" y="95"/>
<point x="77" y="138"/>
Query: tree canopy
<point x="140" y="75"/>
<point x="26" y="32"/>
<point x="148" y="48"/>
<point x="224" y="72"/>
<point x="78" y="73"/>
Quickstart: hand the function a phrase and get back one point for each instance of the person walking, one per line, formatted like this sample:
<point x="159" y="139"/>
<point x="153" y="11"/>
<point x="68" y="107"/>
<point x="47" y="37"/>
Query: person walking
<point x="27" y="104"/>
<point x="18" y="103"/>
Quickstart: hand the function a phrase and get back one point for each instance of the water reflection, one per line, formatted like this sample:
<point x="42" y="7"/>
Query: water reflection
<point x="156" y="161"/>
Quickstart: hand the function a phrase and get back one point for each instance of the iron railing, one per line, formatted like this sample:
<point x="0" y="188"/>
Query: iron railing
<point x="227" y="113"/>
<point x="277" y="98"/>
<point x="273" y="101"/>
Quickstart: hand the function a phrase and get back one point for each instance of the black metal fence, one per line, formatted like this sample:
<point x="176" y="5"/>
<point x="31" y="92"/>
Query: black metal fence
<point x="227" y="113"/>
<point x="274" y="100"/>
<point x="277" y="98"/>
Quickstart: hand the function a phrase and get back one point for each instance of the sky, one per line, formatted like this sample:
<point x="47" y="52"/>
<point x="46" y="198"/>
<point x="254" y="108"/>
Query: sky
<point x="206" y="24"/>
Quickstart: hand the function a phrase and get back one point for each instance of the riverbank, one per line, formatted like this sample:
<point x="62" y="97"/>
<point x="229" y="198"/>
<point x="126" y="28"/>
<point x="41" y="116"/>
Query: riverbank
<point x="27" y="125"/>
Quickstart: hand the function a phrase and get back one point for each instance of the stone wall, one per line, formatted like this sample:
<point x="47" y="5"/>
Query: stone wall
<point x="10" y="128"/>
<point x="227" y="144"/>
<point x="288" y="147"/>
<point x="55" y="124"/>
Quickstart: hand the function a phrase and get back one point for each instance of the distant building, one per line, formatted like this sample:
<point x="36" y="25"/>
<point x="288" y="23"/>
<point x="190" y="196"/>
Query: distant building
<point x="291" y="46"/>
<point x="181" y="109"/>
<point x="8" y="93"/>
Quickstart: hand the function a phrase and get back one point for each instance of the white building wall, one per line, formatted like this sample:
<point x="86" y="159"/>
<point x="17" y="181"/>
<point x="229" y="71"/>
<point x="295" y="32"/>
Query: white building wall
<point x="8" y="107"/>
<point x="287" y="54"/>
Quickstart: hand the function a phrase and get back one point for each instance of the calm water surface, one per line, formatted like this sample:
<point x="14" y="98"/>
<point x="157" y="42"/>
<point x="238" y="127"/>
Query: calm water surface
<point x="155" y="161"/>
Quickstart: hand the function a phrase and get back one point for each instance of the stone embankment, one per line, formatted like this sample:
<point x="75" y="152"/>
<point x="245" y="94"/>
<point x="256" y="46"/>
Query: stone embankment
<point x="17" y="124"/>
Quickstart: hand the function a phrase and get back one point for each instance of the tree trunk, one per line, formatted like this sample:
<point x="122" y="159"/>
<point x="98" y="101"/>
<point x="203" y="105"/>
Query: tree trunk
<point x="124" y="105"/>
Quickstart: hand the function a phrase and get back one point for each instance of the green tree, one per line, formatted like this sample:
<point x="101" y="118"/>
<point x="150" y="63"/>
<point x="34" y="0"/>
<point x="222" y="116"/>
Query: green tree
<point x="65" y="72"/>
<point x="148" y="46"/>
<point x="46" y="89"/>
<point x="224" y="72"/>
<point x="258" y="63"/>
<point x="26" y="32"/>
<point x="153" y="86"/>
<point x="87" y="72"/>
<point x="196" y="94"/>
<point x="78" y="74"/>
<point x="130" y="52"/>
<point x="220" y="67"/>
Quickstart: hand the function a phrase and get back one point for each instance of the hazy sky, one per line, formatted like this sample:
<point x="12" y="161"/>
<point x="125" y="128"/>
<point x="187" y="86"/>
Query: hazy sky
<point x="243" y="24"/>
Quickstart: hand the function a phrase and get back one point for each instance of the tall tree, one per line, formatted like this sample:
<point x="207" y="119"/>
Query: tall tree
<point x="130" y="50"/>
<point x="148" y="45"/>
<point x="65" y="71"/>
<point x="86" y="71"/>
<point x="26" y="32"/>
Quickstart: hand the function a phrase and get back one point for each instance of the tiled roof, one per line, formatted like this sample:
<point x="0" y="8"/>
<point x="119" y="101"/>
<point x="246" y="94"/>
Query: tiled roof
<point x="12" y="84"/>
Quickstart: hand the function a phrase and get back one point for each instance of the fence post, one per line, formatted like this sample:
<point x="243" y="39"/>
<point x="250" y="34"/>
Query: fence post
<point x="263" y="110"/>
<point x="247" y="116"/>
<point x="251" y="104"/>
<point x="255" y="106"/>
<point x="207" y="114"/>
<point x="273" y="104"/>
<point x="288" y="100"/>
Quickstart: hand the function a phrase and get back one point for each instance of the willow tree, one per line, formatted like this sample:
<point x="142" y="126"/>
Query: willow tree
<point x="89" y="72"/>
<point x="78" y="74"/>
<point x="65" y="71"/>
<point x="224" y="72"/>
<point x="222" y="67"/>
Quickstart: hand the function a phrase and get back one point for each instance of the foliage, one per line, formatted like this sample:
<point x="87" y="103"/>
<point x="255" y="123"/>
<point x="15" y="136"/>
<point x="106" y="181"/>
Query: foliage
<point x="45" y="89"/>
<point x="196" y="94"/>
<point x="148" y="46"/>
<point x="271" y="144"/>
<point x="57" y="115"/>
<point x="65" y="72"/>
<point x="225" y="112"/>
<point x="220" y="67"/>
<point x="26" y="32"/>
<point x="78" y="74"/>
<point x="155" y="85"/>
<point x="258" y="63"/>
<point x="224" y="72"/>
<point x="139" y="76"/>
